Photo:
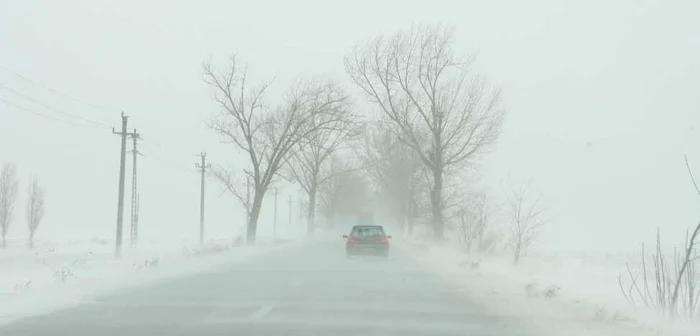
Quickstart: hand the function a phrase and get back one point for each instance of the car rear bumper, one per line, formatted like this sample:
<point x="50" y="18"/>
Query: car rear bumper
<point x="373" y="249"/>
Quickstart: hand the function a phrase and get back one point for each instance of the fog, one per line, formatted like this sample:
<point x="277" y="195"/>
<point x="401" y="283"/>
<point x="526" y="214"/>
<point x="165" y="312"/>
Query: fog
<point x="601" y="98"/>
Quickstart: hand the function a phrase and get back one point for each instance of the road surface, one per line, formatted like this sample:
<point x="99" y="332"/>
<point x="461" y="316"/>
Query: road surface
<point x="311" y="289"/>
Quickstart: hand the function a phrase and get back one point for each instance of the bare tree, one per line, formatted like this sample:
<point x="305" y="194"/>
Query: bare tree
<point x="307" y="162"/>
<point x="35" y="208"/>
<point x="526" y="219"/>
<point x="429" y="93"/>
<point x="669" y="287"/>
<point x="330" y="193"/>
<point x="8" y="197"/>
<point x="458" y="199"/>
<point x="395" y="169"/>
<point x="268" y="136"/>
<point x="675" y="287"/>
<point x="344" y="192"/>
<point x="475" y="219"/>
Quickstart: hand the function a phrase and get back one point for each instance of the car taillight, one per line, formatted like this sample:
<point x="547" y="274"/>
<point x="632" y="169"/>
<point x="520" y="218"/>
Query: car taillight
<point x="351" y="240"/>
<point x="384" y="240"/>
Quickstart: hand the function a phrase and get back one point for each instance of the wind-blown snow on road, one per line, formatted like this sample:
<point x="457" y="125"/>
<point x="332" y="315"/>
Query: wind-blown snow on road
<point x="307" y="290"/>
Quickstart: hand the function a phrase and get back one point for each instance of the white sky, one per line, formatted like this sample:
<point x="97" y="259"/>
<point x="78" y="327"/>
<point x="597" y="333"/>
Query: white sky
<point x="621" y="75"/>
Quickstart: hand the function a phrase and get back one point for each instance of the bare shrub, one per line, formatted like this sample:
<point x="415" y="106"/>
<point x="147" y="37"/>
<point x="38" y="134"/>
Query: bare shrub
<point x="22" y="286"/>
<point x="668" y="285"/>
<point x="526" y="219"/>
<point x="148" y="263"/>
<point x="533" y="290"/>
<point x="474" y="223"/>
<point x="63" y="274"/>
<point x="551" y="292"/>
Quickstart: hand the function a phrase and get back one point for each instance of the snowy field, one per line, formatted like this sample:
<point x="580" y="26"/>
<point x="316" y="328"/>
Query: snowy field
<point x="56" y="275"/>
<point x="571" y="293"/>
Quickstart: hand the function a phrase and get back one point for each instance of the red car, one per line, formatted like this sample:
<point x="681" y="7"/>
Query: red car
<point x="367" y="240"/>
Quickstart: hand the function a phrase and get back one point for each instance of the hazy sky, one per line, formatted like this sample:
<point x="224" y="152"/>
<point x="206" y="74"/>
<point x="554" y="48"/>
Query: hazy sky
<point x="603" y="100"/>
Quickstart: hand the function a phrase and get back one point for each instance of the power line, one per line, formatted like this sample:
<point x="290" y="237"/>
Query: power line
<point x="157" y="147"/>
<point x="95" y="123"/>
<point x="35" y="83"/>
<point x="43" y="115"/>
<point x="167" y="162"/>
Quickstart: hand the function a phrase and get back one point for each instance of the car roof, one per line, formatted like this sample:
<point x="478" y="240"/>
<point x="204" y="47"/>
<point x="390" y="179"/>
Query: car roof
<point x="367" y="226"/>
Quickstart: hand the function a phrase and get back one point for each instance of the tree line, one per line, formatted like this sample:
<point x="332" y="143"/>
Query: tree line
<point x="435" y="116"/>
<point x="34" y="211"/>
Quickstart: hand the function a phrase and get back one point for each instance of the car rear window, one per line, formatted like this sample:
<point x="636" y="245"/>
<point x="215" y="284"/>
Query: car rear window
<point x="367" y="231"/>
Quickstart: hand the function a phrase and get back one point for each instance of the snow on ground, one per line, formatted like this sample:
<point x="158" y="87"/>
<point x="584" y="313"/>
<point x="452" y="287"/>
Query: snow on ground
<point x="56" y="275"/>
<point x="556" y="293"/>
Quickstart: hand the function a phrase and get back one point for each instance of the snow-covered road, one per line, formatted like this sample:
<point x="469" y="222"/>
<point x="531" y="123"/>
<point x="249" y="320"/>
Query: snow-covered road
<point x="309" y="289"/>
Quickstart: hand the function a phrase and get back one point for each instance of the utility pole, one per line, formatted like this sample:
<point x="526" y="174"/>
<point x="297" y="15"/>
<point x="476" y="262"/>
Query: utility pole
<point x="135" y="136"/>
<point x="274" y="225"/>
<point x="202" y="169"/>
<point x="138" y="205"/>
<point x="120" y="197"/>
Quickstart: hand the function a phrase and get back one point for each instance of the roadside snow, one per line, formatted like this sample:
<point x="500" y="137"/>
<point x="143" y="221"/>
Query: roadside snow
<point x="554" y="293"/>
<point x="57" y="275"/>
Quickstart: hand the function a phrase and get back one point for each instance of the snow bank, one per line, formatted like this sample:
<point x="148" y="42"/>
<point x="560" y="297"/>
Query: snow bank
<point x="57" y="275"/>
<point x="554" y="293"/>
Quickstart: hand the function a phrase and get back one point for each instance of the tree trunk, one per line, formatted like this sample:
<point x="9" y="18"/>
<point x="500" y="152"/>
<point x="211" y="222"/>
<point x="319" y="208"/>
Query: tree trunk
<point x="31" y="239"/>
<point x="436" y="204"/>
<point x="410" y="224"/>
<point x="252" y="229"/>
<point x="400" y="216"/>
<point x="311" y="215"/>
<point x="463" y="231"/>
<point x="331" y="214"/>
<point x="4" y="242"/>
<point x="516" y="255"/>
<point x="333" y="208"/>
<point x="413" y="214"/>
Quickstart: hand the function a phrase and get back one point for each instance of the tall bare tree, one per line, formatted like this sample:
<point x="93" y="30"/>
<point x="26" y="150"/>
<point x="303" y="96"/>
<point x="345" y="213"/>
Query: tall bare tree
<point x="8" y="197"/>
<point x="267" y="135"/>
<point x="307" y="163"/>
<point x="396" y="170"/>
<point x="526" y="215"/>
<point x="345" y="191"/>
<point x="35" y="208"/>
<point x="417" y="82"/>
